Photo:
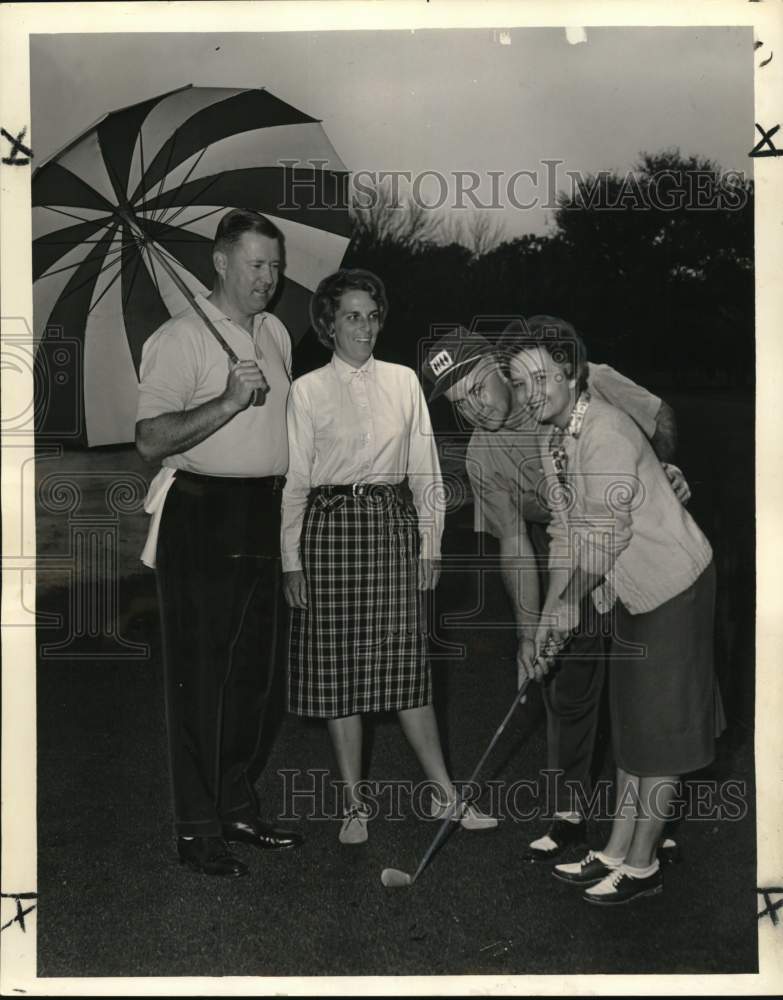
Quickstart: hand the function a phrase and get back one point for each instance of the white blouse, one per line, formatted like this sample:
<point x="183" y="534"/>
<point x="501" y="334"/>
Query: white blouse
<point x="365" y="425"/>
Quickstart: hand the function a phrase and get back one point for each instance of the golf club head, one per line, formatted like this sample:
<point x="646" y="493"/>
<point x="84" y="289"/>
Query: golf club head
<point x="393" y="878"/>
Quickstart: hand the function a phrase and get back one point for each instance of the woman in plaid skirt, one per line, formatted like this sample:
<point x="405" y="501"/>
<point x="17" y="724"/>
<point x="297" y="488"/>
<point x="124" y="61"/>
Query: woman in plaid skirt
<point x="361" y="531"/>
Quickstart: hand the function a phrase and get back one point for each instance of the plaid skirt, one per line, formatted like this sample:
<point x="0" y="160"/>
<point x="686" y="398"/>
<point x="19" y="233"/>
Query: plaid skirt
<point x="360" y="645"/>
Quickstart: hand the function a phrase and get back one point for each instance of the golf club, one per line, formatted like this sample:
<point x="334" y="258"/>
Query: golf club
<point x="393" y="878"/>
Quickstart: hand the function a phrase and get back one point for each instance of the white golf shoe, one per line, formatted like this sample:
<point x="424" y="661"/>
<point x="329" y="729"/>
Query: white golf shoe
<point x="354" y="828"/>
<point x="470" y="817"/>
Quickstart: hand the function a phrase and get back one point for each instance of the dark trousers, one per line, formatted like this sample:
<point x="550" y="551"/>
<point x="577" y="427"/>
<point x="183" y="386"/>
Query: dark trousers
<point x="218" y="583"/>
<point x="572" y="697"/>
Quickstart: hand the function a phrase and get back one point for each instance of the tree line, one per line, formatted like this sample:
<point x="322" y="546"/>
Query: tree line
<point x="655" y="268"/>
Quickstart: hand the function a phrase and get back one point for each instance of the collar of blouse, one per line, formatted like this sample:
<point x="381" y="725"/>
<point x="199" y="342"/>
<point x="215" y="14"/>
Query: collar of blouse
<point x="346" y="372"/>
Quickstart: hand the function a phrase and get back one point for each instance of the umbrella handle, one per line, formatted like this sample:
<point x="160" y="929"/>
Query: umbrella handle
<point x="259" y="396"/>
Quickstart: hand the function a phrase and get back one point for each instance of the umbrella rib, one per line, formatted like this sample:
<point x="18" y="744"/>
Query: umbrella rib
<point x="206" y="215"/>
<point x="182" y="184"/>
<point x="120" y="193"/>
<point x="157" y="215"/>
<point x="70" y="243"/>
<point x="70" y="215"/>
<point x="92" y="277"/>
<point x="165" y="253"/>
<point x="198" y="194"/>
<point x="141" y="153"/>
<point x="71" y="267"/>
<point x="106" y="289"/>
<point x="132" y="282"/>
<point x="173" y="218"/>
<point x="152" y="268"/>
<point x="162" y="181"/>
<point x="164" y="174"/>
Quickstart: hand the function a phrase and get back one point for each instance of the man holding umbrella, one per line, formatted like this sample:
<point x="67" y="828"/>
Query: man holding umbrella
<point x="212" y="405"/>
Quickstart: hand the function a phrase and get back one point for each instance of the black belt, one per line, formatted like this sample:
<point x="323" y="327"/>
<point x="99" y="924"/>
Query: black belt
<point x="357" y="490"/>
<point x="274" y="483"/>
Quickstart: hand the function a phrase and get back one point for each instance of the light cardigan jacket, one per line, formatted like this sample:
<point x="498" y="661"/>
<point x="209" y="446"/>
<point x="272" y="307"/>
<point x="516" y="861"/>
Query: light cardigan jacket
<point x="617" y="515"/>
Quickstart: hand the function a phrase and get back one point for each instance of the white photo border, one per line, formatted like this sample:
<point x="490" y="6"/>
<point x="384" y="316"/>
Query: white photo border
<point x="19" y="874"/>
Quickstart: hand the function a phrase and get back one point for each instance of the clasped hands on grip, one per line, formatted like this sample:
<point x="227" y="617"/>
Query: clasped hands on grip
<point x="536" y="653"/>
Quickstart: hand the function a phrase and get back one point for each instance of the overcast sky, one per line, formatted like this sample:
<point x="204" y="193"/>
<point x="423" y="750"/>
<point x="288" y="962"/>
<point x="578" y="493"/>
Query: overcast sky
<point x="438" y="100"/>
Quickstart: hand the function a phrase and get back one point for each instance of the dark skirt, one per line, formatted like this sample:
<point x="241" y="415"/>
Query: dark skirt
<point x="360" y="645"/>
<point x="665" y="703"/>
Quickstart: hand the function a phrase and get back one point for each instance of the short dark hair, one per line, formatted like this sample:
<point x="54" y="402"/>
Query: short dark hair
<point x="326" y="299"/>
<point x="245" y="220"/>
<point x="558" y="338"/>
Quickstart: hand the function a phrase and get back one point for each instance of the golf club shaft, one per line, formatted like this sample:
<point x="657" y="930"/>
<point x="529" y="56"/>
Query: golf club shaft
<point x="443" y="829"/>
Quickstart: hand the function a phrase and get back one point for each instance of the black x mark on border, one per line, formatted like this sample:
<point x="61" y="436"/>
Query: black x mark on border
<point x="770" y="909"/>
<point x="21" y="912"/>
<point x="17" y="147"/>
<point x="766" y="140"/>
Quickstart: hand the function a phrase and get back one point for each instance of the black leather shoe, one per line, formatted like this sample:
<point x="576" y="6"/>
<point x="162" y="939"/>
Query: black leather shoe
<point x="564" y="835"/>
<point x="262" y="835"/>
<point x="619" y="888"/>
<point x="209" y="856"/>
<point x="589" y="871"/>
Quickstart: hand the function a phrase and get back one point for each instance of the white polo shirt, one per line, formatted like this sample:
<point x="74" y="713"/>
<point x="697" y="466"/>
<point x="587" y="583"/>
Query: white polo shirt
<point x="183" y="366"/>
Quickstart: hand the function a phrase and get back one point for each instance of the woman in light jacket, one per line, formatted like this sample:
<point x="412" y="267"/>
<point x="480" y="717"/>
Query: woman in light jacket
<point x="361" y="527"/>
<point x="619" y="533"/>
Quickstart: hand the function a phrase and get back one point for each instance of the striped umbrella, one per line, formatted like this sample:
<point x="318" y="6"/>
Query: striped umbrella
<point x="123" y="222"/>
